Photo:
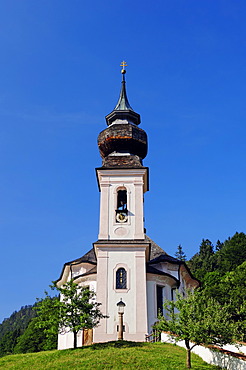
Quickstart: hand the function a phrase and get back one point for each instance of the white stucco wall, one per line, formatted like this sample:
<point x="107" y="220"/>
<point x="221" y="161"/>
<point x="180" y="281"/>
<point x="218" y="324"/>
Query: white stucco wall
<point x="132" y="258"/>
<point x="128" y="296"/>
<point x="152" y="282"/>
<point x="134" y="181"/>
<point x="211" y="356"/>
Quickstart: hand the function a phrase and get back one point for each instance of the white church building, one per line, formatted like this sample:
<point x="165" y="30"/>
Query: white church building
<point x="124" y="264"/>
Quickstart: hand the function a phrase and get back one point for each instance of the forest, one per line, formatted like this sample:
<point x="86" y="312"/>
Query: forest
<point x="221" y="269"/>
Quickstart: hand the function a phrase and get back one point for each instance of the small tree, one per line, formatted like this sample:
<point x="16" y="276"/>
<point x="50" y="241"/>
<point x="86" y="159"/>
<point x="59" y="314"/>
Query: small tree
<point x="47" y="320"/>
<point x="180" y="255"/>
<point x="78" y="309"/>
<point x="197" y="320"/>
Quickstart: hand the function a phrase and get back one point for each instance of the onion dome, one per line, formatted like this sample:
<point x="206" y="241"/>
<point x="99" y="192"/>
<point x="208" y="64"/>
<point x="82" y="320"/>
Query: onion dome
<point x="123" y="137"/>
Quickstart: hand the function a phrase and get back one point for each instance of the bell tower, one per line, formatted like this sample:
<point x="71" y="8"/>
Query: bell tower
<point x="122" y="179"/>
<point x="122" y="249"/>
<point x="125" y="268"/>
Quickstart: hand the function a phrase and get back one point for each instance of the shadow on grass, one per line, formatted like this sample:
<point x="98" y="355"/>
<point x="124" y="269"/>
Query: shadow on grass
<point x="115" y="344"/>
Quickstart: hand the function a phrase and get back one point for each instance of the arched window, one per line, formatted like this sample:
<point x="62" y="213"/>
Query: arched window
<point x="122" y="200"/>
<point x="121" y="278"/>
<point x="159" y="299"/>
<point x="121" y="210"/>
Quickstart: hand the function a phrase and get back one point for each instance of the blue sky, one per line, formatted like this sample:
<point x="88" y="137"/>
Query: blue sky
<point x="60" y="76"/>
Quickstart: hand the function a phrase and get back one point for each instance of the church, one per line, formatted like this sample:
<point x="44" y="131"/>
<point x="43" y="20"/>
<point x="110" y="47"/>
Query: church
<point x="124" y="265"/>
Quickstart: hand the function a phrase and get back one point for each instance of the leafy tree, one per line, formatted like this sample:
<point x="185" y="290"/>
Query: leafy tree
<point x="230" y="289"/>
<point x="233" y="253"/>
<point x="76" y="310"/>
<point x="8" y="342"/>
<point x="32" y="340"/>
<point x="197" y="319"/>
<point x="180" y="255"/>
<point x="203" y="261"/>
<point x="19" y="320"/>
<point x="14" y="326"/>
<point x="47" y="321"/>
<point x="41" y="333"/>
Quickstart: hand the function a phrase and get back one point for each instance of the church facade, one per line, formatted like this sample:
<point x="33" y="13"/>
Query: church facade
<point x="124" y="264"/>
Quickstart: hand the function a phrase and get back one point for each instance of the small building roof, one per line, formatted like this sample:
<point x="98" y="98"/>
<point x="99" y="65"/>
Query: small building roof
<point x="156" y="255"/>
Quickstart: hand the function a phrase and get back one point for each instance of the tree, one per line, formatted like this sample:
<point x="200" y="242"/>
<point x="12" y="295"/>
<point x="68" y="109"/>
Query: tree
<point x="180" y="255"/>
<point x="232" y="253"/>
<point x="32" y="340"/>
<point x="13" y="327"/>
<point x="219" y="245"/>
<point x="197" y="320"/>
<point x="230" y="289"/>
<point x="204" y="261"/>
<point x="47" y="320"/>
<point x="8" y="342"/>
<point x="41" y="333"/>
<point x="76" y="310"/>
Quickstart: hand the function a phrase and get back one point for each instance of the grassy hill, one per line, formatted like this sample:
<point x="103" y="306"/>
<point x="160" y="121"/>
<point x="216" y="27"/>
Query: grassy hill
<point x="112" y="355"/>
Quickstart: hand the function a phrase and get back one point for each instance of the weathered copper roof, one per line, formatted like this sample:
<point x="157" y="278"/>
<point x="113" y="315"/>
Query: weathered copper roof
<point x="123" y="103"/>
<point x="123" y="110"/>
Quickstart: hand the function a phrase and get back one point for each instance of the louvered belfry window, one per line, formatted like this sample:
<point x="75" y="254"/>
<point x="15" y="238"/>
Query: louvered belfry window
<point x="121" y="280"/>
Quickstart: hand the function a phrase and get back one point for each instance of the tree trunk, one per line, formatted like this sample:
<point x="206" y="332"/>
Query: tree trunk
<point x="188" y="363"/>
<point x="74" y="339"/>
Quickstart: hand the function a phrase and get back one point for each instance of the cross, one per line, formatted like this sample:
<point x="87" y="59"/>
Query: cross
<point x="123" y="64"/>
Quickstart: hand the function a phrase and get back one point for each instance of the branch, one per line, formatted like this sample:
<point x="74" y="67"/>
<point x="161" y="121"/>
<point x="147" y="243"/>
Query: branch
<point x="193" y="346"/>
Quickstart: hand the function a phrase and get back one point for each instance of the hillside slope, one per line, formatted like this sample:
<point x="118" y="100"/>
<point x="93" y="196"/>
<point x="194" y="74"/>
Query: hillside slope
<point x="112" y="355"/>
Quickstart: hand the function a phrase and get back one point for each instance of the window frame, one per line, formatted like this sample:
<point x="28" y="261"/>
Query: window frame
<point x="126" y="268"/>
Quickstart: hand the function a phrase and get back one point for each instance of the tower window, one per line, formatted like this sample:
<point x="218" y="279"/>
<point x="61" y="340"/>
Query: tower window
<point x="121" y="279"/>
<point x="122" y="200"/>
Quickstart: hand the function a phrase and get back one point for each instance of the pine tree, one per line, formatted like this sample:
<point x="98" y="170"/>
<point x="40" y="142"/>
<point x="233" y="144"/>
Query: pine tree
<point x="180" y="255"/>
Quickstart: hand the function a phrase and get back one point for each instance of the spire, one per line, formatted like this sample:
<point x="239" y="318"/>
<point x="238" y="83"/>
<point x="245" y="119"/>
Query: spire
<point x="123" y="103"/>
<point x="123" y="111"/>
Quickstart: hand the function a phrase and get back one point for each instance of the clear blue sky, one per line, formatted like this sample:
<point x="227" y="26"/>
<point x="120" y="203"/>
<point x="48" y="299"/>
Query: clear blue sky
<point x="60" y="76"/>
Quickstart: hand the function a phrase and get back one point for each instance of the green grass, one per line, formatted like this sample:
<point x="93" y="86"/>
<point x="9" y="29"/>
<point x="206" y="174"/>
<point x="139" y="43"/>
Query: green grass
<point x="112" y="355"/>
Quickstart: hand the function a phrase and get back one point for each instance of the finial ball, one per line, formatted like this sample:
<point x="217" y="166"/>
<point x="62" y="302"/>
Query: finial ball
<point x="123" y="71"/>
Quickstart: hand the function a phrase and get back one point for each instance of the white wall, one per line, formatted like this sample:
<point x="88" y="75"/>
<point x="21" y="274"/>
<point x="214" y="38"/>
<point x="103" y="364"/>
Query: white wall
<point x="211" y="356"/>
<point x="134" y="180"/>
<point x="132" y="258"/>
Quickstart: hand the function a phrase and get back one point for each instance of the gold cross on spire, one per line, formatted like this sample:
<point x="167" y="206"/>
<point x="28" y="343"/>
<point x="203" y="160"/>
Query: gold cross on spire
<point x="123" y="65"/>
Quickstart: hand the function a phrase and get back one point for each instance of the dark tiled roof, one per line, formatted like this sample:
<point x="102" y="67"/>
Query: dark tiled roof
<point x="153" y="270"/>
<point x="156" y="253"/>
<point x="165" y="258"/>
<point x="155" y="249"/>
<point x="90" y="272"/>
<point x="89" y="257"/>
